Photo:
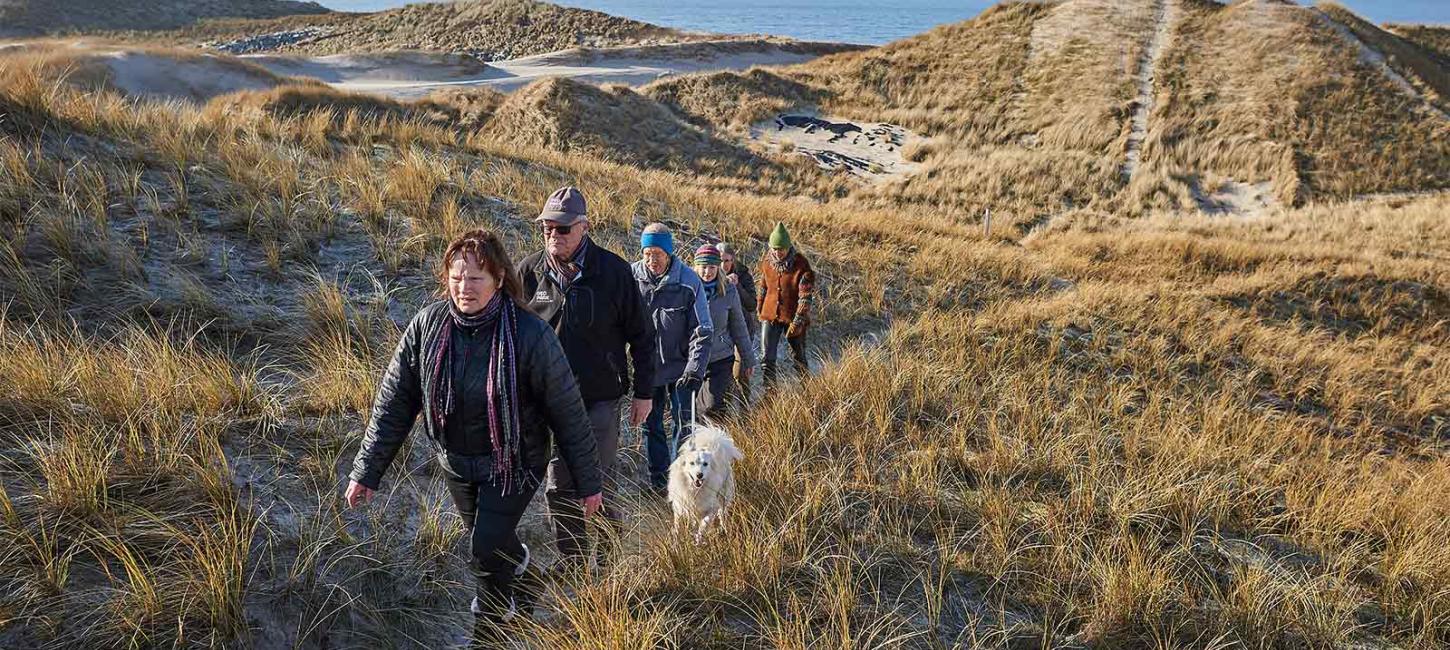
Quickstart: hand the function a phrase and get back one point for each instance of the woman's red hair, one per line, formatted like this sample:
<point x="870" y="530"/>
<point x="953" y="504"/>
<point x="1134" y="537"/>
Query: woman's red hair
<point x="483" y="249"/>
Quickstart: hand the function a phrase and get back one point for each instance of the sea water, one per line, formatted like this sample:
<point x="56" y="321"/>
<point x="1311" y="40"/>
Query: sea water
<point x="859" y="21"/>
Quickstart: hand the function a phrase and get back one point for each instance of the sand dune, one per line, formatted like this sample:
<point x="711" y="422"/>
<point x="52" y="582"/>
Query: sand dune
<point x="409" y="75"/>
<point x="146" y="73"/>
<point x="188" y="75"/>
<point x="141" y="74"/>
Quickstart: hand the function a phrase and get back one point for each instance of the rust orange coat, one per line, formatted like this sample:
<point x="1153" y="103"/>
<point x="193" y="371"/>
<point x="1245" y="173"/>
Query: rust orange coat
<point x="783" y="295"/>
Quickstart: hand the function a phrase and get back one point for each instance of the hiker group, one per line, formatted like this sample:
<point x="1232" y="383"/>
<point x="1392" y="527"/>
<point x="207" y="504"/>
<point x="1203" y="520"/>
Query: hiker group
<point x="520" y="359"/>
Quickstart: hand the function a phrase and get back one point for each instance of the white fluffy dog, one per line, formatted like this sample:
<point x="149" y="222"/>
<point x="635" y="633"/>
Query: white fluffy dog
<point x="702" y="479"/>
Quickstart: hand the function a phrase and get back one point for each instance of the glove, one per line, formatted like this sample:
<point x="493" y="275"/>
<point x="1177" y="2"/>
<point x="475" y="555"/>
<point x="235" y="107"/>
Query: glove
<point x="797" y="329"/>
<point x="688" y="384"/>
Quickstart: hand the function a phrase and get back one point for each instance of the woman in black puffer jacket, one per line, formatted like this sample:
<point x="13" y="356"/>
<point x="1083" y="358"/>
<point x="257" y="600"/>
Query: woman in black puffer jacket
<point x="492" y="383"/>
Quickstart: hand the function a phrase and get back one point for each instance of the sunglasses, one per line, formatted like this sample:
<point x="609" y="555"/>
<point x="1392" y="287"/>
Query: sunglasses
<point x="550" y="229"/>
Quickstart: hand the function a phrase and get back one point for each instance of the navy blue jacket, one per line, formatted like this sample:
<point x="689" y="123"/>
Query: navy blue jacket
<point x="681" y="316"/>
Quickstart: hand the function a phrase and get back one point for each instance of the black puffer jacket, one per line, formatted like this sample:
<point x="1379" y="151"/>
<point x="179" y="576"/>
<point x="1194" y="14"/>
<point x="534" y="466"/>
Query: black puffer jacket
<point x="601" y="314"/>
<point x="747" y="289"/>
<point x="548" y="400"/>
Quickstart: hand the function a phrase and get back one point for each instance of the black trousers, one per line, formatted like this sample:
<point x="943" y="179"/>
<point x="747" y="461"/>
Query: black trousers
<point x="491" y="519"/>
<point x="718" y="394"/>
<point x="772" y="333"/>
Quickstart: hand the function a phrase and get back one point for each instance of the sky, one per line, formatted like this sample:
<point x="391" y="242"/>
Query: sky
<point x="1379" y="11"/>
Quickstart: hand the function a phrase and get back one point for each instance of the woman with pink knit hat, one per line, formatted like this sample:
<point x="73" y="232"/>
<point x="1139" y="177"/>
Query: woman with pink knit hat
<point x="731" y="335"/>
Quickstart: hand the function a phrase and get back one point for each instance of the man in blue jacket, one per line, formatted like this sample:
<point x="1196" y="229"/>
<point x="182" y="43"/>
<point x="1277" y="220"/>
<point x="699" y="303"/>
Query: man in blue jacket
<point x="676" y="301"/>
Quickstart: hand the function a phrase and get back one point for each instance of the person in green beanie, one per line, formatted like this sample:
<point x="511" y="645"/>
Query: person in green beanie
<point x="783" y="301"/>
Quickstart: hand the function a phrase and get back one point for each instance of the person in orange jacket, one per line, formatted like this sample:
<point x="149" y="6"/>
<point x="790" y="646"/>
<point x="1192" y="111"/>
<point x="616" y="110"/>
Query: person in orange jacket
<point x="783" y="301"/>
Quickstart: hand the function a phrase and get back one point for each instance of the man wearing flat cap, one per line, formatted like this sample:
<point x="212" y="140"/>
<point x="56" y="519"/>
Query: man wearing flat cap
<point x="588" y="295"/>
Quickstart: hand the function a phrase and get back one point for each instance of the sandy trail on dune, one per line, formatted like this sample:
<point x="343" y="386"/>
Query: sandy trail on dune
<point x="1167" y="15"/>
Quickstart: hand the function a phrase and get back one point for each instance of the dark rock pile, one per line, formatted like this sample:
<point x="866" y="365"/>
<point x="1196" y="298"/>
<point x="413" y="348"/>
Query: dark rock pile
<point x="270" y="42"/>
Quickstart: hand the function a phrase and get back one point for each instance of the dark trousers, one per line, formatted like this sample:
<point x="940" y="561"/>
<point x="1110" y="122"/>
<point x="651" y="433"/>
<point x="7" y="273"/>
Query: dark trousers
<point x="490" y="519"/>
<point x="742" y="383"/>
<point x="772" y="334"/>
<point x="717" y="394"/>
<point x="570" y="530"/>
<point x="661" y="445"/>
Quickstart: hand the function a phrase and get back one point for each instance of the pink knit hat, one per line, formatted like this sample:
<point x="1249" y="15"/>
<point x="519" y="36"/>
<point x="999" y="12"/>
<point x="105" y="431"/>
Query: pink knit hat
<point x="707" y="254"/>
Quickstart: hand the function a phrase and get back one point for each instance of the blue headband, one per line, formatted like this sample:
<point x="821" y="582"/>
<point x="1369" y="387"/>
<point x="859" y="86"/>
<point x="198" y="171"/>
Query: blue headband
<point x="661" y="240"/>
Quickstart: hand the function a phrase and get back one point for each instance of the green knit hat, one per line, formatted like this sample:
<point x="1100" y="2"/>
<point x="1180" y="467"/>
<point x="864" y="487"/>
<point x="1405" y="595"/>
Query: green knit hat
<point x="779" y="238"/>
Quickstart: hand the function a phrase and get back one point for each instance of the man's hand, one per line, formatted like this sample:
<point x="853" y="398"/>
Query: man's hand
<point x="733" y="278"/>
<point x="688" y="384"/>
<point x="746" y="373"/>
<point x="797" y="329"/>
<point x="592" y="504"/>
<point x="357" y="493"/>
<point x="639" y="410"/>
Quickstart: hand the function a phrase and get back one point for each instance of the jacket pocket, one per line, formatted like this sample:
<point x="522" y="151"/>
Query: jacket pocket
<point x="581" y="308"/>
<point x="616" y="366"/>
<point x="472" y="469"/>
<point x="672" y="321"/>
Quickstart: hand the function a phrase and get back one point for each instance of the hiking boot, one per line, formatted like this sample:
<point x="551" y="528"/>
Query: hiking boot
<point x="513" y="605"/>
<point x="604" y="547"/>
<point x="523" y="565"/>
<point x="477" y="608"/>
<point x="527" y="590"/>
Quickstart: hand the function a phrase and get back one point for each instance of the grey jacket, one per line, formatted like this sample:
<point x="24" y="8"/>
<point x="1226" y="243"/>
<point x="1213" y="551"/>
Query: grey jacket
<point x="731" y="330"/>
<point x="682" y="322"/>
<point x="548" y="402"/>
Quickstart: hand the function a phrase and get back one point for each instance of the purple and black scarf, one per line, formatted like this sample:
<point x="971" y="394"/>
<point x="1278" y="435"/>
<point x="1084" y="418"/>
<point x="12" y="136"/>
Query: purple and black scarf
<point x="502" y="389"/>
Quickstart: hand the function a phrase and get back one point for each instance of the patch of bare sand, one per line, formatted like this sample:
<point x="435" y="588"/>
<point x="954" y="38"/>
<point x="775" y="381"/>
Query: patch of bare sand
<point x="384" y="69"/>
<point x="187" y="75"/>
<point x="871" y="150"/>
<point x="154" y="76"/>
<point x="1237" y="199"/>
<point x="144" y="72"/>
<point x="412" y="75"/>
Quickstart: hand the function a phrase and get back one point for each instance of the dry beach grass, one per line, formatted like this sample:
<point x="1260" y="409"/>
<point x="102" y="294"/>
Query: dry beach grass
<point x="493" y="29"/>
<point x="1136" y="427"/>
<point x="1031" y="119"/>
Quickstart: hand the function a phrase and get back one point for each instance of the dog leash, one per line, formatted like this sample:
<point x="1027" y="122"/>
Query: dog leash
<point x="692" y="411"/>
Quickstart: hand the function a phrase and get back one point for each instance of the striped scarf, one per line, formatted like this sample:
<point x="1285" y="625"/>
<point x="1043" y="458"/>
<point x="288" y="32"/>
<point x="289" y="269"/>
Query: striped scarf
<point x="783" y="264"/>
<point x="502" y="388"/>
<point x="566" y="272"/>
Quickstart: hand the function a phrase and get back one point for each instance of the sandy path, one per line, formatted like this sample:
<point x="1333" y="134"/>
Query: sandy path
<point x="1373" y="58"/>
<point x="407" y="76"/>
<point x="1166" y="16"/>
